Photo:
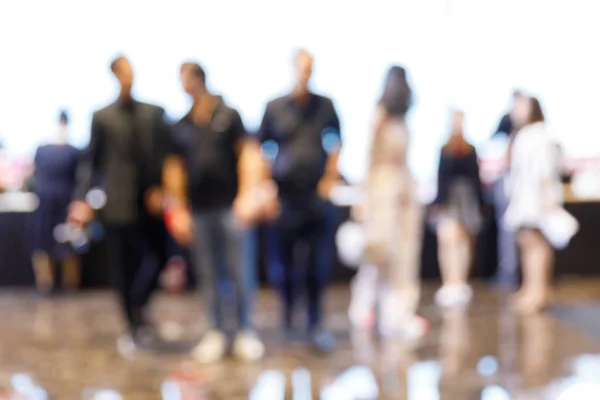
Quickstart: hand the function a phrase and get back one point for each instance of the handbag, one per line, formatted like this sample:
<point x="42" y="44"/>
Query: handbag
<point x="559" y="227"/>
<point x="350" y="243"/>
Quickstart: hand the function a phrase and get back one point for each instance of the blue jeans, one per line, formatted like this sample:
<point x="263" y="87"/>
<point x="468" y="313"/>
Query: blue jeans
<point x="304" y="221"/>
<point x="224" y="253"/>
<point x="508" y="260"/>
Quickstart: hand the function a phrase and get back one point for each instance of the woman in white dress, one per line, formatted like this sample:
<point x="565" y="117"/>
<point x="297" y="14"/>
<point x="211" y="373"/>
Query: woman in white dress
<point x="392" y="217"/>
<point x="535" y="190"/>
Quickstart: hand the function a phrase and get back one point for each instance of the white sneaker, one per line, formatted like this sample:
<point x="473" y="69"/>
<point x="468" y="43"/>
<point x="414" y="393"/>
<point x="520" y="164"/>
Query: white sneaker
<point x="454" y="296"/>
<point x="415" y="328"/>
<point x="248" y="346"/>
<point x="211" y="348"/>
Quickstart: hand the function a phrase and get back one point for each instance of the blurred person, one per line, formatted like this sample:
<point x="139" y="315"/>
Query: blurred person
<point x="507" y="242"/>
<point x="535" y="190"/>
<point x="506" y="126"/>
<point x="216" y="177"/>
<point x="55" y="165"/>
<point x="457" y="215"/>
<point x="306" y="128"/>
<point x="392" y="216"/>
<point x="128" y="145"/>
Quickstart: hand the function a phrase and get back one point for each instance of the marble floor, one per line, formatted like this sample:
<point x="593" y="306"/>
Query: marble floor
<point x="67" y="346"/>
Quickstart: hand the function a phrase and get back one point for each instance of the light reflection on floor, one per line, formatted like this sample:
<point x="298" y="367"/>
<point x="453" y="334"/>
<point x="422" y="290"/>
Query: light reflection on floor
<point x="67" y="346"/>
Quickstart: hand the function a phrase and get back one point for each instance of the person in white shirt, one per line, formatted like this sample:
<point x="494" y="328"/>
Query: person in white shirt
<point x="535" y="189"/>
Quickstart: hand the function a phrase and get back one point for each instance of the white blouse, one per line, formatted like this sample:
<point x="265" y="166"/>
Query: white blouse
<point x="534" y="180"/>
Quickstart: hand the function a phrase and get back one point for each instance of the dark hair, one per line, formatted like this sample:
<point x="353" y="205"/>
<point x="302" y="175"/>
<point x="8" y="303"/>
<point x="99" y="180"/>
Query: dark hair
<point x="115" y="61"/>
<point x="63" y="117"/>
<point x="397" y="96"/>
<point x="536" y="115"/>
<point x="195" y="69"/>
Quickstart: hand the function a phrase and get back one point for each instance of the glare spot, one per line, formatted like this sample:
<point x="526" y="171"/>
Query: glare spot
<point x="61" y="233"/>
<point x="487" y="366"/>
<point x="495" y="393"/>
<point x="270" y="149"/>
<point x="580" y="391"/>
<point x="96" y="198"/>
<point x="330" y="140"/>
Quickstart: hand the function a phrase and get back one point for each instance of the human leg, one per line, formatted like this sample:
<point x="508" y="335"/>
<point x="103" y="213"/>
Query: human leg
<point x="207" y="244"/>
<point x="400" y="291"/>
<point x="364" y="293"/>
<point x="537" y="262"/>
<point x="454" y="255"/>
<point x="240" y="258"/>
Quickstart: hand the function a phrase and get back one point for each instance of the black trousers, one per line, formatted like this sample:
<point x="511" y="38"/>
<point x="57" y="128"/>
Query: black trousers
<point x="299" y="256"/>
<point x="137" y="253"/>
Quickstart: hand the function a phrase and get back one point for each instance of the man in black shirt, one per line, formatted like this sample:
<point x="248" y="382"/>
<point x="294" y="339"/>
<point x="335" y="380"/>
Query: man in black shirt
<point x="211" y="179"/>
<point x="128" y="145"/>
<point x="306" y="129"/>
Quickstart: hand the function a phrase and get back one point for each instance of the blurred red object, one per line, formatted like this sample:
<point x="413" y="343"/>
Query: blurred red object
<point x="174" y="276"/>
<point x="187" y="384"/>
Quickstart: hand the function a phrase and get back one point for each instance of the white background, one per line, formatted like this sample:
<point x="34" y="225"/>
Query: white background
<point x="468" y="54"/>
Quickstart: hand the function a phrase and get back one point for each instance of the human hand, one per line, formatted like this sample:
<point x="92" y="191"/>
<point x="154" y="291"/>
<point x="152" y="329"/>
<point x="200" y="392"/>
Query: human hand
<point x="246" y="208"/>
<point x="357" y="212"/>
<point x="179" y="222"/>
<point x="80" y="213"/>
<point x="325" y="187"/>
<point x="271" y="207"/>
<point x="153" y="199"/>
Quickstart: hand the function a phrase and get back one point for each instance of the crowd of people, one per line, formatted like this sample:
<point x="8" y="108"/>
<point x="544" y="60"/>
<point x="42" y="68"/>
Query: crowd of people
<point x="205" y="182"/>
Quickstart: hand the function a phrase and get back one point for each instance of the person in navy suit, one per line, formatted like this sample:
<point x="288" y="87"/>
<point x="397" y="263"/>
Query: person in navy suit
<point x="54" y="179"/>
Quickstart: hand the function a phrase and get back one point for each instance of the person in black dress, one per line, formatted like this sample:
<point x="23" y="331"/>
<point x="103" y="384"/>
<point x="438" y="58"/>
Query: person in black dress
<point x="457" y="214"/>
<point x="54" y="178"/>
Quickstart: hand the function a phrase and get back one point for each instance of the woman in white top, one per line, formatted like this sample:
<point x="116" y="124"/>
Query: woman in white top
<point x="535" y="189"/>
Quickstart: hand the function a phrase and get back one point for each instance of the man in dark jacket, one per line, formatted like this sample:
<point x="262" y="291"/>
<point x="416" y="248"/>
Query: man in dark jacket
<point x="306" y="129"/>
<point x="128" y="145"/>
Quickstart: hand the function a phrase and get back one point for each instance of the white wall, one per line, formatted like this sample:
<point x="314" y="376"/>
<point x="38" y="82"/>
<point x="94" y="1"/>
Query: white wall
<point x="464" y="53"/>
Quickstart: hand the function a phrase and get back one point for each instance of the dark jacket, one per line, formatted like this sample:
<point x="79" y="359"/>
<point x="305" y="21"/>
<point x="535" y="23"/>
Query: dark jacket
<point x="452" y="167"/>
<point x="127" y="148"/>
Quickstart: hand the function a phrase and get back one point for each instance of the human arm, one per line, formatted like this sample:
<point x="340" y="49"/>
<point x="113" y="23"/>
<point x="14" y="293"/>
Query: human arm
<point x="178" y="217"/>
<point x="88" y="167"/>
<point x="474" y="175"/>
<point x="255" y="197"/>
<point x="444" y="176"/>
<point x="332" y="141"/>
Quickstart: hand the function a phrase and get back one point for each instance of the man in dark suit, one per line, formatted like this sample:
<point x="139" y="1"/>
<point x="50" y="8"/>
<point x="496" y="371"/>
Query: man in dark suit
<point x="306" y="129"/>
<point x="128" y="145"/>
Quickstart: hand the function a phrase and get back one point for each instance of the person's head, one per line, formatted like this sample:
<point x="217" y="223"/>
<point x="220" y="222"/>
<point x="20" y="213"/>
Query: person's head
<point x="193" y="78"/>
<point x="63" y="124"/>
<point x="527" y="110"/>
<point x="123" y="71"/>
<point x="517" y="94"/>
<point x="303" y="68"/>
<point x="397" y="96"/>
<point x="63" y="119"/>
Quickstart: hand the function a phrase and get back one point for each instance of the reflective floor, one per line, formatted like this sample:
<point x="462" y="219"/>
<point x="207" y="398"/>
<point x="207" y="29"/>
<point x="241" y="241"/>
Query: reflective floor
<point x="67" y="346"/>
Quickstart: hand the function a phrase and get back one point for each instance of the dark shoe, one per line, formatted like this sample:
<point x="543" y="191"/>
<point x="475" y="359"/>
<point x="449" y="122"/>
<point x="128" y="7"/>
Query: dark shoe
<point x="323" y="341"/>
<point x="146" y="337"/>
